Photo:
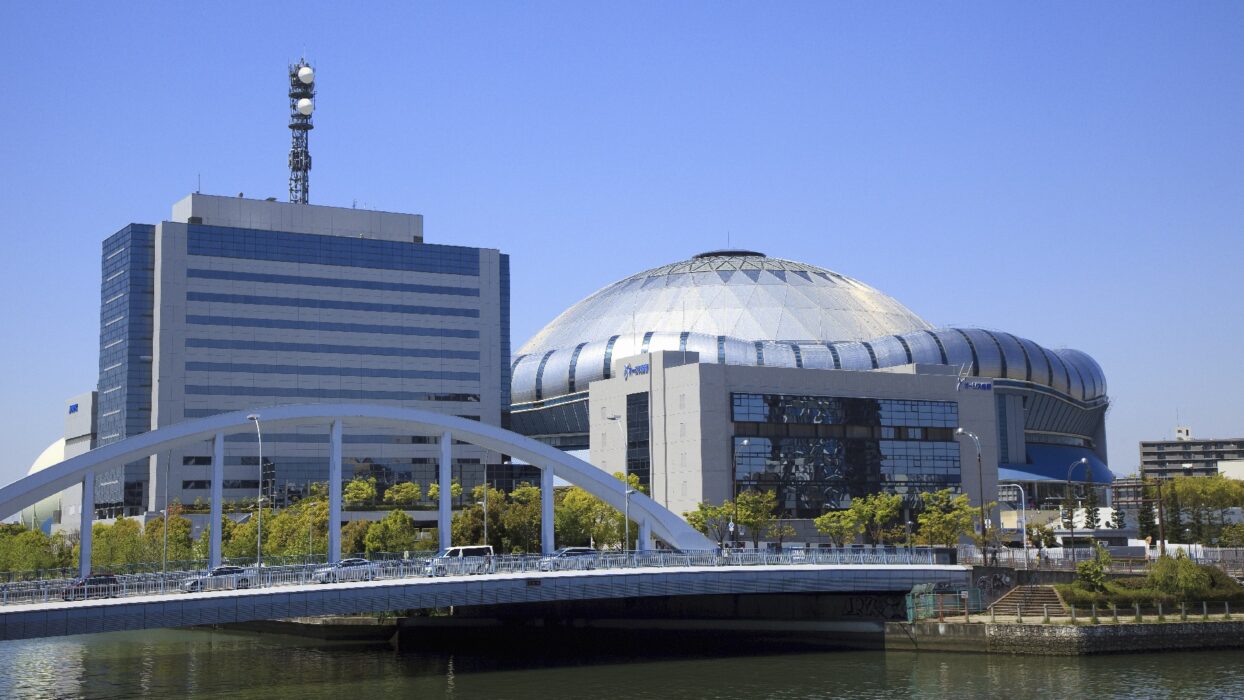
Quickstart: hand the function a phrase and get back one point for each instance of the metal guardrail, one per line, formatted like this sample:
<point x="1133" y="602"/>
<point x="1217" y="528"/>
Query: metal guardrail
<point x="171" y="582"/>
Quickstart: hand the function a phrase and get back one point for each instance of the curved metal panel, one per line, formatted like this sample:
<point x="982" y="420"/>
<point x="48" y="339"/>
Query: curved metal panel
<point x="591" y="364"/>
<point x="1016" y="361"/>
<point x="706" y="345"/>
<point x="958" y="352"/>
<point x="739" y="352"/>
<point x="523" y="387"/>
<point x="1062" y="380"/>
<point x="924" y="349"/>
<point x="1042" y="373"/>
<point x="889" y="352"/>
<point x="1094" y="377"/>
<point x="854" y="356"/>
<point x="556" y="378"/>
<point x="816" y="356"/>
<point x="1081" y="369"/>
<point x="988" y="355"/>
<point x="778" y="355"/>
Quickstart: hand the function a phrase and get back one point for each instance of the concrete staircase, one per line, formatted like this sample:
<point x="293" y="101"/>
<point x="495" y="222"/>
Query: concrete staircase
<point x="1031" y="601"/>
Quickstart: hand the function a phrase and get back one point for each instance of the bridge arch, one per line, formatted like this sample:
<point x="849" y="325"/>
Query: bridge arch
<point x="653" y="518"/>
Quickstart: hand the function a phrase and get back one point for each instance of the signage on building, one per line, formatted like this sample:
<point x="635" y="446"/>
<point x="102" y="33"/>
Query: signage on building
<point x="975" y="384"/>
<point x="73" y="408"/>
<point x="628" y="370"/>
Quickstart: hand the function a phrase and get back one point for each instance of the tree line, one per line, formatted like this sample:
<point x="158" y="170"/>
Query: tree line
<point x="300" y="531"/>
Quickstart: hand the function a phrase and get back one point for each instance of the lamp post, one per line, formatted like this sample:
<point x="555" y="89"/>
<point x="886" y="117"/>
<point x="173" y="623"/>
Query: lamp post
<point x="1072" y="534"/>
<point x="980" y="478"/>
<point x="626" y="480"/>
<point x="258" y="502"/>
<point x="485" y="504"/>
<point x="1023" y="520"/>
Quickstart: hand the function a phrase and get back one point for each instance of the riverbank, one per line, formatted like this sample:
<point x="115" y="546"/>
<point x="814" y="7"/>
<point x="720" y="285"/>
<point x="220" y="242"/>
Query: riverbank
<point x="1062" y="638"/>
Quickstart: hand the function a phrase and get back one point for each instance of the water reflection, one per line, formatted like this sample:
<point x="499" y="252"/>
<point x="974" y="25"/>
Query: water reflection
<point x="205" y="663"/>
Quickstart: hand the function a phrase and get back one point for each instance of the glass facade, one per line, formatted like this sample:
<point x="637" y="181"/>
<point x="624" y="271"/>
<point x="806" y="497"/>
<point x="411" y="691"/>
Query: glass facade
<point x="388" y="322"/>
<point x="127" y="303"/>
<point x="819" y="452"/>
<point x="638" y="441"/>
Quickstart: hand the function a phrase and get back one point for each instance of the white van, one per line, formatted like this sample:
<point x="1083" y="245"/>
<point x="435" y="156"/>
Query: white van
<point x="475" y="559"/>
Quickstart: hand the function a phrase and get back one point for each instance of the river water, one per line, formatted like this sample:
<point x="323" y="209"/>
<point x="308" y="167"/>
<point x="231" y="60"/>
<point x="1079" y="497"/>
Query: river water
<point x="203" y="663"/>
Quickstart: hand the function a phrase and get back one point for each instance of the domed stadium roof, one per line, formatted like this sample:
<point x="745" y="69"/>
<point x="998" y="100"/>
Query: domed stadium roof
<point x="735" y="293"/>
<point x="740" y="307"/>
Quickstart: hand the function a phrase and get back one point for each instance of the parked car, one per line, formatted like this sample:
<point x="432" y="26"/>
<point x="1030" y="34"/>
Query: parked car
<point x="569" y="558"/>
<point x="219" y="579"/>
<point x="355" y="569"/>
<point x="460" y="560"/>
<point x="93" y="586"/>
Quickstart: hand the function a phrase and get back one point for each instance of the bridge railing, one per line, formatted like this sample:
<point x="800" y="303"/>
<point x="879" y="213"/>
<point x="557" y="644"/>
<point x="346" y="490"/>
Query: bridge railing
<point x="405" y="567"/>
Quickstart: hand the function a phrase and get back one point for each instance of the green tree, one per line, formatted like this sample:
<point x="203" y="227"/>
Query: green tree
<point x="360" y="492"/>
<point x="521" y="520"/>
<point x="1092" y="509"/>
<point x="468" y="523"/>
<point x="353" y="535"/>
<point x="1179" y="576"/>
<point x="118" y="545"/>
<point x="1146" y="523"/>
<point x="29" y="550"/>
<point x="840" y="526"/>
<point x="754" y="513"/>
<point x="405" y="494"/>
<point x="202" y="546"/>
<point x="945" y="517"/>
<point x="875" y="511"/>
<point x="781" y="531"/>
<point x="1068" y="511"/>
<point x="241" y="542"/>
<point x="582" y="519"/>
<point x="1041" y="536"/>
<point x="180" y="543"/>
<point x="1118" y="519"/>
<point x="712" y="521"/>
<point x="434" y="490"/>
<point x="1232" y="535"/>
<point x="300" y="530"/>
<point x="396" y="533"/>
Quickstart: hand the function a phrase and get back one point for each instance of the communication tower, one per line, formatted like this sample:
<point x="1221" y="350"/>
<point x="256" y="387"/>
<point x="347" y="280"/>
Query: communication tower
<point x="301" y="105"/>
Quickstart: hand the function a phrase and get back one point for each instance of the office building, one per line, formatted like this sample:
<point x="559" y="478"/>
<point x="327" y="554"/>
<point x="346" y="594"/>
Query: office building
<point x="236" y="304"/>
<point x="1188" y="456"/>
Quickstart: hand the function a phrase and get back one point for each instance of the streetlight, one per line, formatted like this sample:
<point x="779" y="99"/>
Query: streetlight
<point x="626" y="479"/>
<point x="1072" y="534"/>
<point x="980" y="477"/>
<point x="1023" y="519"/>
<point x="259" y="502"/>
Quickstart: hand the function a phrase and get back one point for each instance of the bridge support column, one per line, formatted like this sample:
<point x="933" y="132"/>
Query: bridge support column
<point x="334" y="492"/>
<point x="88" y="516"/>
<point x="445" y="480"/>
<point x="217" y="507"/>
<point x="645" y="536"/>
<point x="546" y="510"/>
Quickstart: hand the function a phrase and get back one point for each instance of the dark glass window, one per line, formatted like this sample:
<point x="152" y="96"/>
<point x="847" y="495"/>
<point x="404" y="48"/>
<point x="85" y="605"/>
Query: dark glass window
<point x="638" y="454"/>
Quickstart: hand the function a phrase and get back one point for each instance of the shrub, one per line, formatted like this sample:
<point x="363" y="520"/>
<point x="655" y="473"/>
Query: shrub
<point x="1179" y="576"/>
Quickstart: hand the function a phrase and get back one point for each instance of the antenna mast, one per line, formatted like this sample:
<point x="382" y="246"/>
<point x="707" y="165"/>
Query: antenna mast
<point x="301" y="105"/>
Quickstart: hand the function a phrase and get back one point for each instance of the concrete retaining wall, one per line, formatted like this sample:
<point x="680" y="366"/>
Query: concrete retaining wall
<point x="1062" y="640"/>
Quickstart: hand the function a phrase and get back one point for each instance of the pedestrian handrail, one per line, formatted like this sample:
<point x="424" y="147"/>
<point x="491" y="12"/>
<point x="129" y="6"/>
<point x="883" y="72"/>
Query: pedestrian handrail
<point x="385" y="568"/>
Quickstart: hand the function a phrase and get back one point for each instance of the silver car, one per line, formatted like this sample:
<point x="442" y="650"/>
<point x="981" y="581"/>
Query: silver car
<point x="355" y="569"/>
<point x="221" y="578"/>
<point x="570" y="558"/>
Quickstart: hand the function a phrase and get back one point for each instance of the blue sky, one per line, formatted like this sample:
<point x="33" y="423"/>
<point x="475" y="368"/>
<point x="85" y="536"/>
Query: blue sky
<point x="1069" y="172"/>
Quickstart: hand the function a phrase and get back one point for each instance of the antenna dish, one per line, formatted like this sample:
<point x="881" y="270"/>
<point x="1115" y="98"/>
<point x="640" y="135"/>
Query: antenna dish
<point x="306" y="74"/>
<point x="305" y="107"/>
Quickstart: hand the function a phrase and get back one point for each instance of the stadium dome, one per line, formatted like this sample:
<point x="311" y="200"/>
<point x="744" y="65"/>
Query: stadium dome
<point x="739" y="294"/>
<point x="741" y="307"/>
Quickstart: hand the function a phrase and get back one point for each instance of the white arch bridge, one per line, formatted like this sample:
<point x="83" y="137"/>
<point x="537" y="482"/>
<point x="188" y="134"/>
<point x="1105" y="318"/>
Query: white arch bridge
<point x="652" y="518"/>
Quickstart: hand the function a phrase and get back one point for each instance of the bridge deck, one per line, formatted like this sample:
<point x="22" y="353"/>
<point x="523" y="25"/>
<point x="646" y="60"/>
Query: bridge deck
<point x="23" y="621"/>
